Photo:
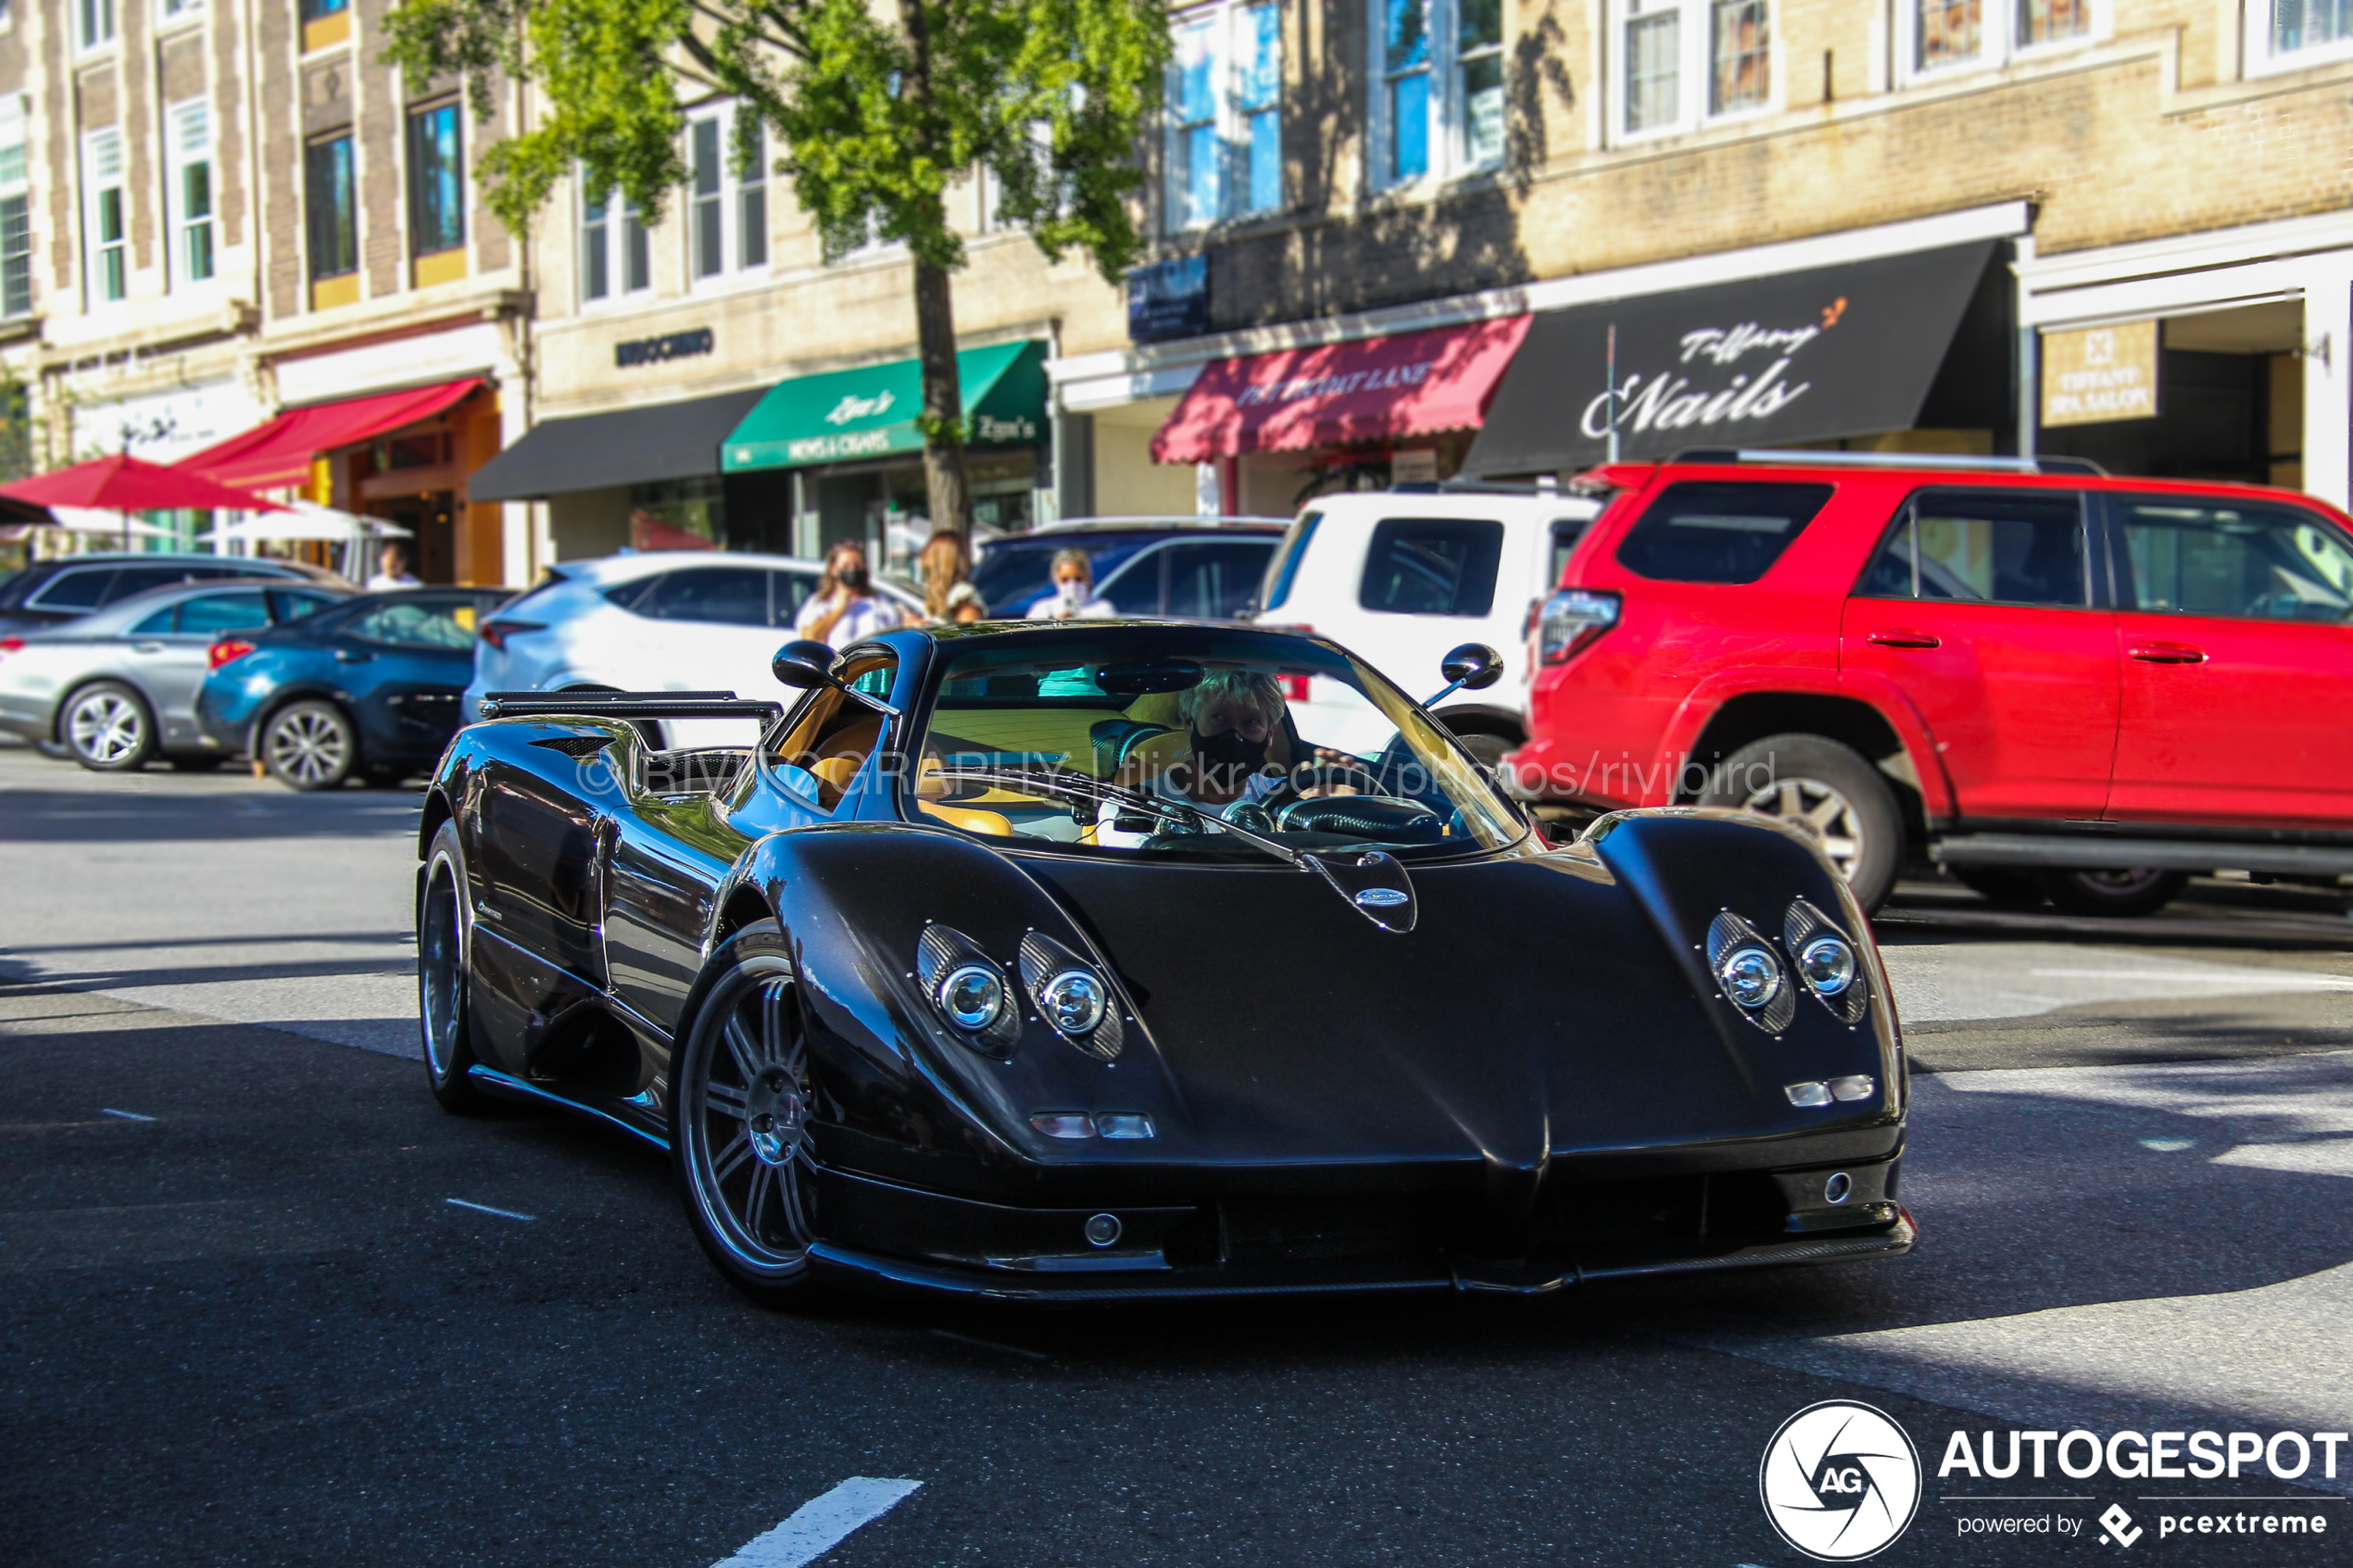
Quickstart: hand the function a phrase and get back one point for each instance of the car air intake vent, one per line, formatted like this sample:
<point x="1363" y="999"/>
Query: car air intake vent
<point x="1323" y="1230"/>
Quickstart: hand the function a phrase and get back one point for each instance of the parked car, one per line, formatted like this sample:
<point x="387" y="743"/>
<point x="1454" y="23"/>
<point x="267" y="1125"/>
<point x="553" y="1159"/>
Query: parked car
<point x="368" y="688"/>
<point x="1193" y="569"/>
<point x="660" y="621"/>
<point x="49" y="592"/>
<point x="1033" y="1021"/>
<point x="117" y="687"/>
<point x="1400" y="576"/>
<point x="2054" y="682"/>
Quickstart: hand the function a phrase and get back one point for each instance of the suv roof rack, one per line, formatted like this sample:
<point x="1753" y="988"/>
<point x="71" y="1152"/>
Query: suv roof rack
<point x="1957" y="462"/>
<point x="1463" y="484"/>
<point x="1172" y="520"/>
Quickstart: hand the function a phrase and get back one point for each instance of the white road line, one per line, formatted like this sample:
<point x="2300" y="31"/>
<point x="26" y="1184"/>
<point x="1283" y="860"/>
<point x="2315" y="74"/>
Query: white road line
<point x="486" y="1208"/>
<point x="126" y="1115"/>
<point x="816" y="1525"/>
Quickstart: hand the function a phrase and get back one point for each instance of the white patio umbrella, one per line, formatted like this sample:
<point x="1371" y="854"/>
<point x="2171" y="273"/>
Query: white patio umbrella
<point x="103" y="519"/>
<point x="308" y="519"/>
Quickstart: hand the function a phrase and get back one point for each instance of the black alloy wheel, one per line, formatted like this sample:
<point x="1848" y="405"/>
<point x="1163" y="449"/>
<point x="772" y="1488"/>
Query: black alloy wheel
<point x="109" y="728"/>
<point x="1829" y="790"/>
<point x="743" y="1096"/>
<point x="2142" y="890"/>
<point x="309" y="746"/>
<point x="442" y="932"/>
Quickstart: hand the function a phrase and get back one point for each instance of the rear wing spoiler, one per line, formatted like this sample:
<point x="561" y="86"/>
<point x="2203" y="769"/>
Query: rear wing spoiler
<point x="628" y="705"/>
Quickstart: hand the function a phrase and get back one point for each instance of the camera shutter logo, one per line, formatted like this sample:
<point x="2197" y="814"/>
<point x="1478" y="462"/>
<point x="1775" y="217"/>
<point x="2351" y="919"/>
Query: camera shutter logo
<point x="1840" y="1481"/>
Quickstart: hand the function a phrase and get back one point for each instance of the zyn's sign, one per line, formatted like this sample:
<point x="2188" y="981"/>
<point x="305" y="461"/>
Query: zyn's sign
<point x="2100" y="374"/>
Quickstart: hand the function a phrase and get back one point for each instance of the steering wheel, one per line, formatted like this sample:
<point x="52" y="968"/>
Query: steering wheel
<point x="1325" y="776"/>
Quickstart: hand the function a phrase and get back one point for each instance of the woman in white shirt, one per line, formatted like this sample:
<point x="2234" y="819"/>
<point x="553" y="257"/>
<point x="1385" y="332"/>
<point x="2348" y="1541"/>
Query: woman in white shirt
<point x="842" y="610"/>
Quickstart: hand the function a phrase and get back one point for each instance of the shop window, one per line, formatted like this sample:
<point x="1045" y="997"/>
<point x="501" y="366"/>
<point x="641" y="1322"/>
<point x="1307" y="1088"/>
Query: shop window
<point x="104" y="229"/>
<point x="616" y="254"/>
<point x="1438" y="108"/>
<point x="331" y="218"/>
<point x="324" y="22"/>
<point x="1685" y="63"/>
<point x="1432" y="566"/>
<point x="727" y="210"/>
<point x="188" y="189"/>
<point x="96" y="23"/>
<point x="1949" y="34"/>
<point x="1720" y="532"/>
<point x="436" y="195"/>
<point x="15" y="211"/>
<point x="1224" y="135"/>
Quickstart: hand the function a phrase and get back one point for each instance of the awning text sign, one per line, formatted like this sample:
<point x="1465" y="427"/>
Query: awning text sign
<point x="2096" y="374"/>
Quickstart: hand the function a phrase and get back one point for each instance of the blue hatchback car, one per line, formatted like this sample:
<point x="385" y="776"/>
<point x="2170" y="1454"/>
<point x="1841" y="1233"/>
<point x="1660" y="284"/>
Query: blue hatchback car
<point x="370" y="687"/>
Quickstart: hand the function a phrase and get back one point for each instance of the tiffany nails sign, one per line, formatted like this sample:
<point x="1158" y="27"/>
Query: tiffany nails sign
<point x="1706" y="386"/>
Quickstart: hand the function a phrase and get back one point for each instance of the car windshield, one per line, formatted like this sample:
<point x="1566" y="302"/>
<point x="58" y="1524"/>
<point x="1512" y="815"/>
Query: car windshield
<point x="1192" y="743"/>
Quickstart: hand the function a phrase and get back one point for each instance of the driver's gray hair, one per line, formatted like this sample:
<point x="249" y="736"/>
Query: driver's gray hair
<point x="1251" y="688"/>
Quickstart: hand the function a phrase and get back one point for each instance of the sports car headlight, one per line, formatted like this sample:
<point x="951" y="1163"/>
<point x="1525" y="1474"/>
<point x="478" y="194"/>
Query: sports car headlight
<point x="966" y="989"/>
<point x="1071" y="995"/>
<point x="1072" y="1001"/>
<point x="1827" y="964"/>
<point x="1750" y="976"/>
<point x="1827" y="961"/>
<point x="972" y="995"/>
<point x="1748" y="973"/>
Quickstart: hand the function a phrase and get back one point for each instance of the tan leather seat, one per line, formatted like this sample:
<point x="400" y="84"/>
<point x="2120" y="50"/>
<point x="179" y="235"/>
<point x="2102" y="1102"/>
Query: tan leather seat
<point x="843" y="754"/>
<point x="968" y="818"/>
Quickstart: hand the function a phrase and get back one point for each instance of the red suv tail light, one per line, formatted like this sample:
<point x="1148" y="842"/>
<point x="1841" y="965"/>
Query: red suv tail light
<point x="226" y="649"/>
<point x="1571" y="618"/>
<point x="496" y="632"/>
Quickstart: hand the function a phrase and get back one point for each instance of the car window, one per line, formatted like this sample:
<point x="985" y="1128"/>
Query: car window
<point x="787" y="591"/>
<point x="1432" y="566"/>
<point x="74" y="590"/>
<point x="1015" y="574"/>
<point x="1705" y="530"/>
<point x="1566" y="531"/>
<point x="133" y="580"/>
<point x="158" y="625"/>
<point x="2264" y="563"/>
<point x="1987" y="545"/>
<point x="732" y="596"/>
<point x="1284" y="570"/>
<point x="211" y="614"/>
<point x="1135" y="588"/>
<point x="293" y="604"/>
<point x="1214" y="579"/>
<point x="412" y="620"/>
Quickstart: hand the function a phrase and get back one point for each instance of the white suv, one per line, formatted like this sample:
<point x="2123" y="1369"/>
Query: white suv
<point x="1401" y="576"/>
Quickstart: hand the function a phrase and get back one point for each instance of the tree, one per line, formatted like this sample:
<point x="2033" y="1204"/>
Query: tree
<point x="877" y="109"/>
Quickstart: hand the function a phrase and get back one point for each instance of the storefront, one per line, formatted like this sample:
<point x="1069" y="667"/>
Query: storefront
<point x="839" y="455"/>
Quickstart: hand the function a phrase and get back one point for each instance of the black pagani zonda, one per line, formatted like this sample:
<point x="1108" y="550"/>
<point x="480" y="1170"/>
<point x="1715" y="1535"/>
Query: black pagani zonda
<point x="1098" y="962"/>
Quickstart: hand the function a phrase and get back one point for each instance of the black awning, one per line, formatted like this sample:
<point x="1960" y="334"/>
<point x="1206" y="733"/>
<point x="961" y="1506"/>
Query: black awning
<point x="626" y="446"/>
<point x="1815" y="356"/>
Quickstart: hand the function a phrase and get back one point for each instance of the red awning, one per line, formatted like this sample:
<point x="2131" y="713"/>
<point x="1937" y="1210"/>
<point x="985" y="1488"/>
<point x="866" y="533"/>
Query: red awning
<point x="280" y="451"/>
<point x="1342" y="394"/>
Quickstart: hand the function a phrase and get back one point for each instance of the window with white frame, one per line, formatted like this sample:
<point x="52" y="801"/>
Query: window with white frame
<point x="1438" y="98"/>
<point x="95" y="19"/>
<point x="104" y="227"/>
<point x="172" y="10"/>
<point x="1225" y="112"/>
<point x="726" y="210"/>
<point x="1683" y="63"/>
<point x="616" y="254"/>
<point x="15" y="211"/>
<point x="2301" y="30"/>
<point x="1950" y="34"/>
<point x="188" y="190"/>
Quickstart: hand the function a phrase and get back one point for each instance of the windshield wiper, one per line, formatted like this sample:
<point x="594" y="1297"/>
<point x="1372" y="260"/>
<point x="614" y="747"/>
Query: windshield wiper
<point x="1092" y="788"/>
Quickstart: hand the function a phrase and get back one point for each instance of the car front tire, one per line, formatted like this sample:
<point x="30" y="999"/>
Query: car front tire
<point x="109" y="728"/>
<point x="442" y="932"/>
<point x="309" y="746"/>
<point x="1830" y="791"/>
<point x="743" y="1097"/>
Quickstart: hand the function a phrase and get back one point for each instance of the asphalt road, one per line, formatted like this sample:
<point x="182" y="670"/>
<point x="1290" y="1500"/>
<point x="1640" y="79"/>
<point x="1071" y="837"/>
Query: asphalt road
<point x="246" y="1323"/>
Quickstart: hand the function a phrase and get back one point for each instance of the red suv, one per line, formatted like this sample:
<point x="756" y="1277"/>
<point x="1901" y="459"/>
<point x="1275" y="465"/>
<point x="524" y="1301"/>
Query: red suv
<point x="2054" y="682"/>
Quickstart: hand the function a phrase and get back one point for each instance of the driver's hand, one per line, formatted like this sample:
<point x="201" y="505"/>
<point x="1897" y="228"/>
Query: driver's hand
<point x="1327" y="758"/>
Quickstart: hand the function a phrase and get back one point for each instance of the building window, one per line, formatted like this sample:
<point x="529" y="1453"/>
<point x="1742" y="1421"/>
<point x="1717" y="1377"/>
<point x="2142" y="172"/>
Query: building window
<point x="15" y="211"/>
<point x="324" y="22"/>
<point x="1683" y="63"/>
<point x="333" y="218"/>
<point x="1949" y="34"/>
<point x="2301" y="25"/>
<point x="103" y="221"/>
<point x="172" y="10"/>
<point x="96" y="19"/>
<point x="436" y="195"/>
<point x="728" y="212"/>
<point x="615" y="257"/>
<point x="188" y="154"/>
<point x="1439" y="108"/>
<point x="1224" y="100"/>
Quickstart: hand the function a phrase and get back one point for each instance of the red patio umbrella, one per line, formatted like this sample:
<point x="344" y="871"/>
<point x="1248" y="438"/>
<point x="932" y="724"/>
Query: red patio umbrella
<point x="124" y="484"/>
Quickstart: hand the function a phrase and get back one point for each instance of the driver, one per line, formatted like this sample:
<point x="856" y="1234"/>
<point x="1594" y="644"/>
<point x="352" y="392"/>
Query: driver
<point x="1233" y="716"/>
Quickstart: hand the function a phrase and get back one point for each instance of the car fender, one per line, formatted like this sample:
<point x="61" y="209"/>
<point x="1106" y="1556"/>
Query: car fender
<point x="1881" y="696"/>
<point x="300" y="691"/>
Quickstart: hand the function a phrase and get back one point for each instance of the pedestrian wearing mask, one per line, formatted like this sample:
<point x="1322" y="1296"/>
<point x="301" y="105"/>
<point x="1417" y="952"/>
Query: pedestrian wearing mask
<point x="949" y="595"/>
<point x="1074" y="596"/>
<point x="843" y="609"/>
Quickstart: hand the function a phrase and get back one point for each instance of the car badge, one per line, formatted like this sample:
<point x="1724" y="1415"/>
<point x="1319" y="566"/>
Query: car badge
<point x="1381" y="898"/>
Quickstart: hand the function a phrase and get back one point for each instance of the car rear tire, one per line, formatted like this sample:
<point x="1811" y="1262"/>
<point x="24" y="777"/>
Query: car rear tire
<point x="443" y="929"/>
<point x="1487" y="751"/>
<point x="309" y="746"/>
<point x="2001" y="885"/>
<point x="743" y="1096"/>
<point x="2141" y="891"/>
<point x="109" y="728"/>
<point x="1830" y="790"/>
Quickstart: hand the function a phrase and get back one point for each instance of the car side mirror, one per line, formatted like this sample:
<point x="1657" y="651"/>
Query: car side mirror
<point x="1473" y="666"/>
<point x="806" y="664"/>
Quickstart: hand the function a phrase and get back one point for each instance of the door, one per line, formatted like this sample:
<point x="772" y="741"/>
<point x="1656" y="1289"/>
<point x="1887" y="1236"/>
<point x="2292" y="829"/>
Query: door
<point x="2237" y="661"/>
<point x="169" y="650"/>
<point x="1981" y="608"/>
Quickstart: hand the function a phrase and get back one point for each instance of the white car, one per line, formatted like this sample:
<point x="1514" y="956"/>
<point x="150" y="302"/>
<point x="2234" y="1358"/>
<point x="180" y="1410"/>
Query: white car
<point x="1401" y="576"/>
<point x="662" y="621"/>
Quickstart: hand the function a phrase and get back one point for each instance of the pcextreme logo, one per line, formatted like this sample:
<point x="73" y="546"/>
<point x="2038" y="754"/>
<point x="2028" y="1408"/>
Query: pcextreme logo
<point x="1840" y="1481"/>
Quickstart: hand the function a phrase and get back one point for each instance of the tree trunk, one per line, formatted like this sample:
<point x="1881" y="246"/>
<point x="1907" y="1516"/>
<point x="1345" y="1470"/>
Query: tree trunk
<point x="943" y="400"/>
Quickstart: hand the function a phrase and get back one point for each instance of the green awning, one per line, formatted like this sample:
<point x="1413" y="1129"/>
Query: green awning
<point x="846" y="415"/>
